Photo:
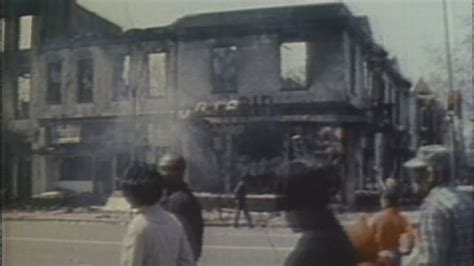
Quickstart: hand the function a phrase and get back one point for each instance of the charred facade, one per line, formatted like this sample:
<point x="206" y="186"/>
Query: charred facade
<point x="236" y="92"/>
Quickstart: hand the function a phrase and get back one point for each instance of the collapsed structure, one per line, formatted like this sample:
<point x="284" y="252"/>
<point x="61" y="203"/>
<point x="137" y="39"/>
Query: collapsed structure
<point x="235" y="92"/>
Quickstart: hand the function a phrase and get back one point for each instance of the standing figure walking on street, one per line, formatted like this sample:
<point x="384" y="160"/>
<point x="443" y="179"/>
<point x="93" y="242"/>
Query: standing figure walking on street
<point x="305" y="200"/>
<point x="447" y="215"/>
<point x="154" y="236"/>
<point x="389" y="226"/>
<point x="179" y="200"/>
<point x="240" y="197"/>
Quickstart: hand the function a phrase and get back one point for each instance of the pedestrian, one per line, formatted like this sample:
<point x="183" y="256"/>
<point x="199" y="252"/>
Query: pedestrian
<point x="179" y="200"/>
<point x="361" y="235"/>
<point x="240" y="198"/>
<point x="388" y="226"/>
<point x="446" y="218"/>
<point x="305" y="200"/>
<point x="154" y="236"/>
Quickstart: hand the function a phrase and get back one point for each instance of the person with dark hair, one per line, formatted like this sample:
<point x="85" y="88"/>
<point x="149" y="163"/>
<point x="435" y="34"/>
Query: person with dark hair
<point x="305" y="200"/>
<point x="154" y="236"/>
<point x="179" y="200"/>
<point x="446" y="234"/>
<point x="240" y="198"/>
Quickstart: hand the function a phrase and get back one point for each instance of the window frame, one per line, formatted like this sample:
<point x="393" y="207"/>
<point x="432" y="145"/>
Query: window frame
<point x="19" y="113"/>
<point x="235" y="77"/>
<point x="20" y="40"/>
<point x="84" y="160"/>
<point x="48" y="96"/>
<point x="79" y="73"/>
<point x="353" y="62"/>
<point x="308" y="65"/>
<point x="119" y="81"/>
<point x="165" y="73"/>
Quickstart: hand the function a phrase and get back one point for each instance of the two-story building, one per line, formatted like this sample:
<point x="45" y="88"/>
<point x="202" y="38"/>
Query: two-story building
<point x="235" y="92"/>
<point x="50" y="80"/>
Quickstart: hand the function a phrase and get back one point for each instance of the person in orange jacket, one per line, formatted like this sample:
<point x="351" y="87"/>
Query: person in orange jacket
<point x="388" y="227"/>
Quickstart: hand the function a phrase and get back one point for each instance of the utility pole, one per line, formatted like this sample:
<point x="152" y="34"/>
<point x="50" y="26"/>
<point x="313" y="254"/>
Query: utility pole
<point x="451" y="116"/>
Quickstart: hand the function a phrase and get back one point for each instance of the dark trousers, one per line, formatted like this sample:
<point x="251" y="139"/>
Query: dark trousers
<point x="241" y="206"/>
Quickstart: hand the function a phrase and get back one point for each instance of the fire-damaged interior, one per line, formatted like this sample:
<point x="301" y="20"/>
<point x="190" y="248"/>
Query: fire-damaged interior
<point x="236" y="93"/>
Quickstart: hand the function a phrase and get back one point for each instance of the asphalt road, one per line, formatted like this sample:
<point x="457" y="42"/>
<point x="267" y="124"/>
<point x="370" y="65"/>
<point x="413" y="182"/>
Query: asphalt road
<point x="63" y="243"/>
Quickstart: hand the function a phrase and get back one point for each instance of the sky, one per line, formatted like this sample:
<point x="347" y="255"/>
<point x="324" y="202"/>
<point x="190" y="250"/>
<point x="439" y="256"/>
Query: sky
<point x="408" y="29"/>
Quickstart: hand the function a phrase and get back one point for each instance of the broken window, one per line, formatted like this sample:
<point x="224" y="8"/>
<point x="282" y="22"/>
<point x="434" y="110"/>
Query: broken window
<point x="25" y="32"/>
<point x="157" y="74"/>
<point x="76" y="169"/>
<point x="65" y="134"/>
<point x="85" y="87"/>
<point x="388" y="93"/>
<point x="2" y="34"/>
<point x="424" y="118"/>
<point x="294" y="65"/>
<point x="396" y="106"/>
<point x="53" y="90"/>
<point x="367" y="77"/>
<point x="122" y="79"/>
<point x="352" y="68"/>
<point x="224" y="69"/>
<point x="23" y="96"/>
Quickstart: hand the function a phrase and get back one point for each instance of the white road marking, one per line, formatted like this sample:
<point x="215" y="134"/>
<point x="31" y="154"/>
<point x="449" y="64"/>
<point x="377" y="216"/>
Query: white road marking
<point x="118" y="243"/>
<point x="250" y="248"/>
<point x="52" y="240"/>
<point x="257" y="234"/>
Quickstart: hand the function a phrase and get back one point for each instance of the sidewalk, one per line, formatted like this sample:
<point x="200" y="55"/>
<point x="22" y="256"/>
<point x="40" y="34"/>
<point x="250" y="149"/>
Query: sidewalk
<point x="211" y="218"/>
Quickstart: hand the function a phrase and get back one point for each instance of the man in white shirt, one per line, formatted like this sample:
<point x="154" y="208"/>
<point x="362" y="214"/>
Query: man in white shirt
<point x="154" y="236"/>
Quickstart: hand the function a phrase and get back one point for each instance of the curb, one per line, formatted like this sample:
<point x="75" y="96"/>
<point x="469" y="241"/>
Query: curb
<point x="115" y="221"/>
<point x="39" y="218"/>
<point x="44" y="219"/>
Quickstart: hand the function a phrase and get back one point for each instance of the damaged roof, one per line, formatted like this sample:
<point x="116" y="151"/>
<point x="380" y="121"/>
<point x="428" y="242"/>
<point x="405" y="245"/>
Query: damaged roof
<point x="301" y="18"/>
<point x="266" y="16"/>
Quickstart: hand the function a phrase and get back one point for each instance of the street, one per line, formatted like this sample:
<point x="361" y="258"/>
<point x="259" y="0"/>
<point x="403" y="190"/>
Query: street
<point x="61" y="243"/>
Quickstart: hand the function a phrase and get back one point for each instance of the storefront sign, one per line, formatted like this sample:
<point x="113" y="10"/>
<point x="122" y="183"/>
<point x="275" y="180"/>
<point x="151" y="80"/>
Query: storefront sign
<point x="255" y="105"/>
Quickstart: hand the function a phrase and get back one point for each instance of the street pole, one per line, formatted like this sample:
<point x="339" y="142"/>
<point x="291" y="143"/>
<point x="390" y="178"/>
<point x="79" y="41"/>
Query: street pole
<point x="451" y="115"/>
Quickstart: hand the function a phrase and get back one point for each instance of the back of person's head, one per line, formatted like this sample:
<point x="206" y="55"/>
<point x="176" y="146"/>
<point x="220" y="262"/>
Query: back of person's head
<point x="172" y="160"/>
<point x="141" y="185"/>
<point x="390" y="199"/>
<point x="306" y="187"/>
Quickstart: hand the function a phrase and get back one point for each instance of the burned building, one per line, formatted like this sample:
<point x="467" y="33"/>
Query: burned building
<point x="308" y="82"/>
<point x="236" y="92"/>
<point x="49" y="82"/>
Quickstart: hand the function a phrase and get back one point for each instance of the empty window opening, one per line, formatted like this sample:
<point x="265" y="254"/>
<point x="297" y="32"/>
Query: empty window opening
<point x="294" y="65"/>
<point x="224" y="69"/>
<point x="121" y="89"/>
<point x="76" y="169"/>
<point x="366" y="76"/>
<point x="23" y="96"/>
<point x="2" y="34"/>
<point x="25" y="32"/>
<point x="85" y="88"/>
<point x="157" y="74"/>
<point x="352" y="68"/>
<point x="53" y="90"/>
